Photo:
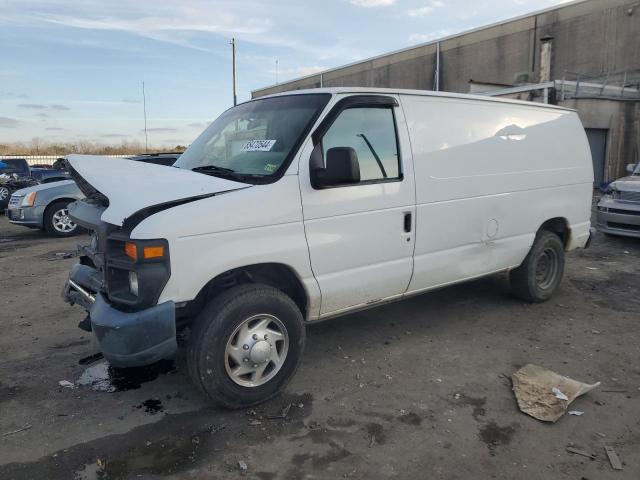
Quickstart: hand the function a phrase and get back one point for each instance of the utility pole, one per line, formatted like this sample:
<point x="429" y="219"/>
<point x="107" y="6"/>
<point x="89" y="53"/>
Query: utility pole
<point x="144" y="108"/>
<point x="233" y="55"/>
<point x="276" y="71"/>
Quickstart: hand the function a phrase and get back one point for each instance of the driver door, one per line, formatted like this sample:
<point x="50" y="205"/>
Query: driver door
<point x="361" y="235"/>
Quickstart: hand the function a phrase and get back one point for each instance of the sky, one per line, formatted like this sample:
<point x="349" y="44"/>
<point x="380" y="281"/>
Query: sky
<point x="72" y="71"/>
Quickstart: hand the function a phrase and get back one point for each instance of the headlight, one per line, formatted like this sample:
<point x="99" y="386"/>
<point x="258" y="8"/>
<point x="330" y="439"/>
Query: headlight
<point x="136" y="271"/>
<point x="29" y="199"/>
<point x="133" y="283"/>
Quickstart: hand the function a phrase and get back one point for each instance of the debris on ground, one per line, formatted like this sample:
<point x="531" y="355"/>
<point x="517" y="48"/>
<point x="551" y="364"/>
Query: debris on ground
<point x="615" y="462"/>
<point x="242" y="466"/>
<point x="66" y="384"/>
<point x="62" y="256"/>
<point x="283" y="413"/>
<point x="544" y="394"/>
<point x="26" y="427"/>
<point x="577" y="413"/>
<point x="581" y="452"/>
<point x="559" y="395"/>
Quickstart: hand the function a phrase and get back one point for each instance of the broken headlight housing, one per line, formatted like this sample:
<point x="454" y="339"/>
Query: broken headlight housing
<point x="136" y="271"/>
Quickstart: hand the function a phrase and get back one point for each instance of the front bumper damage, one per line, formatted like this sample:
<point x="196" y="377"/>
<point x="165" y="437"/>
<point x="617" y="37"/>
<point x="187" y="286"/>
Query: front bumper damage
<point x="126" y="339"/>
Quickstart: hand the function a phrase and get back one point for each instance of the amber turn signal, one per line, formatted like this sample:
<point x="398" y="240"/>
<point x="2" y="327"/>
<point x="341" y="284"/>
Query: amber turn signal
<point x="153" y="252"/>
<point x="131" y="251"/>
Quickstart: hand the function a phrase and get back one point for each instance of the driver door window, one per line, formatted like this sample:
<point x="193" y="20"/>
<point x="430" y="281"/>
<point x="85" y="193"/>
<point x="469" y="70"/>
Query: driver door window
<point x="371" y="133"/>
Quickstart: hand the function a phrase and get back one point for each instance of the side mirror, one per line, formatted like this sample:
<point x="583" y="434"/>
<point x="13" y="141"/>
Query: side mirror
<point x="631" y="167"/>
<point x="341" y="167"/>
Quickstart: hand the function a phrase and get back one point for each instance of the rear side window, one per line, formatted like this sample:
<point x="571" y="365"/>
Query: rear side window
<point x="371" y="132"/>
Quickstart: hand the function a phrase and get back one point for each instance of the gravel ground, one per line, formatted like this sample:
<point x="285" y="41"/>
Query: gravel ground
<point x="417" y="389"/>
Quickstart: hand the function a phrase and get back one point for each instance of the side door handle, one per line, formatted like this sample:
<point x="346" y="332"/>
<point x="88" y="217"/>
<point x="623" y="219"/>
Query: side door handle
<point x="407" y="222"/>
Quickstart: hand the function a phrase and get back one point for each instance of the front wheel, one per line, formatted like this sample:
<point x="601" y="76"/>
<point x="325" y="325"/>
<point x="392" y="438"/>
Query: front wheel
<point x="539" y="275"/>
<point x="246" y="345"/>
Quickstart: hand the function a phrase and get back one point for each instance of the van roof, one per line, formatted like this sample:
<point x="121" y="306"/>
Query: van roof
<point x="422" y="93"/>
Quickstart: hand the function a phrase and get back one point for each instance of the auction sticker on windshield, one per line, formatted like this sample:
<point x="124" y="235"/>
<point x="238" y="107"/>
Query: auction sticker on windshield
<point x="258" y="145"/>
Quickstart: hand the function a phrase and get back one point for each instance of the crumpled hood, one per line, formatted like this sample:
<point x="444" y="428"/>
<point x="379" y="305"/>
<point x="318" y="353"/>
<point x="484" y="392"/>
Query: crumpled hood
<point x="132" y="186"/>
<point x="627" y="184"/>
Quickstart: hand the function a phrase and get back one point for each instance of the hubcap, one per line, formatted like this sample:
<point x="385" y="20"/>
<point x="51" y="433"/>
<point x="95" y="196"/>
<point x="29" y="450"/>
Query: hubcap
<point x="546" y="268"/>
<point x="4" y="193"/>
<point x="61" y="221"/>
<point x="256" y="350"/>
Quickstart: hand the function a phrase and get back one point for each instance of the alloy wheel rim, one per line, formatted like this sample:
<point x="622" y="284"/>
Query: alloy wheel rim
<point x="256" y="350"/>
<point x="4" y="193"/>
<point x="546" y="268"/>
<point x="61" y="221"/>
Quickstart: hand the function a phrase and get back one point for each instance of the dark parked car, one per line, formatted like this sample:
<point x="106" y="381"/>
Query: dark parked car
<point x="16" y="174"/>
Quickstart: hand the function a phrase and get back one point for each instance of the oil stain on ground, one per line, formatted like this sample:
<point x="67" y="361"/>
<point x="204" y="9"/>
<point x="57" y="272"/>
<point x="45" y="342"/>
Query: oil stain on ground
<point x="494" y="435"/>
<point x="151" y="406"/>
<point x="619" y="292"/>
<point x="410" y="418"/>
<point x="105" y="378"/>
<point x="478" y="404"/>
<point x="170" y="446"/>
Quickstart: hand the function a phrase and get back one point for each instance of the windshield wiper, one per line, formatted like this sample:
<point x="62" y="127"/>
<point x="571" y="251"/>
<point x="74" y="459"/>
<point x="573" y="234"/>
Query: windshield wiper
<point x="226" y="172"/>
<point x="212" y="168"/>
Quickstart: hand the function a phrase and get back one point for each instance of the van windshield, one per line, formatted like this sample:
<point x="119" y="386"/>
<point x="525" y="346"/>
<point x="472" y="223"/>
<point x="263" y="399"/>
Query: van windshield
<point x="254" y="141"/>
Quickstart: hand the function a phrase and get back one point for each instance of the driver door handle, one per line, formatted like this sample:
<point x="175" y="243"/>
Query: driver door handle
<point x="407" y="222"/>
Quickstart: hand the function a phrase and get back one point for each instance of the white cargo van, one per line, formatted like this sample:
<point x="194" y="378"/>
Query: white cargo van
<point x="307" y="205"/>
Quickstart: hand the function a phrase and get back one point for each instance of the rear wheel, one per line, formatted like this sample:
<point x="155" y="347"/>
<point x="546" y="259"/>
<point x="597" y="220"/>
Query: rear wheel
<point x="57" y="222"/>
<point x="246" y="345"/>
<point x="539" y="275"/>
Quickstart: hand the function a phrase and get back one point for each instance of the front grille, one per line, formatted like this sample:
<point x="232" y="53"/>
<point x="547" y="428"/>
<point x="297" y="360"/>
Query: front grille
<point x="624" y="226"/>
<point x="626" y="196"/>
<point x="14" y="201"/>
<point x="624" y="212"/>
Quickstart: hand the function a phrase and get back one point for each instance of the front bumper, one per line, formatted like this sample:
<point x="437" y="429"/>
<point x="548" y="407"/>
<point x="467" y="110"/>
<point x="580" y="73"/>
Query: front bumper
<point x="618" y="218"/>
<point x="26" y="216"/>
<point x="126" y="339"/>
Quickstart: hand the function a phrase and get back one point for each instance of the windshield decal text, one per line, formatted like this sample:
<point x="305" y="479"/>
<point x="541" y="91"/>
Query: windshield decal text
<point x="258" y="145"/>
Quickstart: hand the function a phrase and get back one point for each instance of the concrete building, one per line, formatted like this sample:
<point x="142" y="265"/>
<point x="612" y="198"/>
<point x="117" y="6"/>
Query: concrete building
<point x="584" y="55"/>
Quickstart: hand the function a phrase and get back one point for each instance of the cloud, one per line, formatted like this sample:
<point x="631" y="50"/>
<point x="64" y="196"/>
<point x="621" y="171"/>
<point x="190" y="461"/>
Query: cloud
<point x="43" y="115"/>
<point x="114" y="135"/>
<point x="130" y="100"/>
<point x="372" y="3"/>
<point x="33" y="106"/>
<point x="21" y="96"/>
<point x="426" y="10"/>
<point x="54" y="129"/>
<point x="161" y="130"/>
<point x="6" y="122"/>
<point x="56" y="106"/>
<point x="198" y="124"/>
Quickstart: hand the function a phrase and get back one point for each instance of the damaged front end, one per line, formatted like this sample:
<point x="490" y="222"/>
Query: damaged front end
<point x="118" y="281"/>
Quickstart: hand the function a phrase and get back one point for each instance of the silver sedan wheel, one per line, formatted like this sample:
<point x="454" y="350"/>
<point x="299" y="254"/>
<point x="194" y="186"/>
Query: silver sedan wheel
<point x="256" y="350"/>
<point x="4" y="193"/>
<point x="61" y="221"/>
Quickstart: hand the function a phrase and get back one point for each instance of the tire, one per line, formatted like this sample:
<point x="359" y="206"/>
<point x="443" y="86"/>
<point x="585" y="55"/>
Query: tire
<point x="56" y="221"/>
<point x="5" y="195"/>
<point x="539" y="275"/>
<point x="218" y="336"/>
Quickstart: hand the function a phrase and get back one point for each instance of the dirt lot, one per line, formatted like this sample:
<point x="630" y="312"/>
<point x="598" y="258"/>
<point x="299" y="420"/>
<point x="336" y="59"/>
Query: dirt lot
<point x="418" y="389"/>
